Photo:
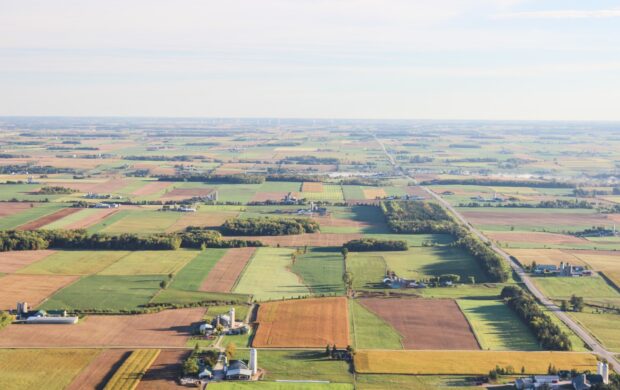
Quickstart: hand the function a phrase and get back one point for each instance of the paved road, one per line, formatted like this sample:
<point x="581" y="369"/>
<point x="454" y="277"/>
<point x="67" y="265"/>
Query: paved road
<point x="590" y="341"/>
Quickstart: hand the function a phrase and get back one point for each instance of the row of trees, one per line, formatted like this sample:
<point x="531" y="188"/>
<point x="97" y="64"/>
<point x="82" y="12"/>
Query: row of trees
<point x="268" y="226"/>
<point x="548" y="333"/>
<point x="500" y="183"/>
<point x="372" y="244"/>
<point x="414" y="217"/>
<point x="211" y="178"/>
<point x="545" y="204"/>
<point x="15" y="240"/>
<point x="55" y="190"/>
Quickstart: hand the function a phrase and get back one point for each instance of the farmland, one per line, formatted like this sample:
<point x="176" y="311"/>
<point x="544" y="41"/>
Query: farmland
<point x="291" y="323"/>
<point x="466" y="362"/>
<point x="537" y="195"/>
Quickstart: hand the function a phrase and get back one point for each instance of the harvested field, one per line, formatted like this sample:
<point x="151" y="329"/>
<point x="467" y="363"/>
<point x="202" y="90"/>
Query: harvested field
<point x="417" y="191"/>
<point x="92" y="219"/>
<point x="544" y="256"/>
<point x="129" y="374"/>
<point x="329" y="221"/>
<point x="536" y="238"/>
<point x="168" y="328"/>
<point x="185" y="193"/>
<point x="607" y="262"/>
<point x="467" y="362"/>
<point x="374" y="193"/>
<point x="294" y="323"/>
<point x="13" y="261"/>
<point x="11" y="208"/>
<point x="310" y="239"/>
<point x="100" y="370"/>
<point x="152" y="188"/>
<point x="33" y="289"/>
<point x="39" y="223"/>
<point x="226" y="271"/>
<point x="514" y="218"/>
<point x="164" y="372"/>
<point x="425" y="323"/>
<point x="110" y="186"/>
<point x="311" y="187"/>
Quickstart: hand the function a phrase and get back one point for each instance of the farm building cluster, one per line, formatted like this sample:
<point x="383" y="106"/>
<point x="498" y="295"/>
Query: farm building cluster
<point x="224" y="324"/>
<point x="24" y="315"/>
<point x="564" y="270"/>
<point x="391" y="280"/>
<point x="564" y="381"/>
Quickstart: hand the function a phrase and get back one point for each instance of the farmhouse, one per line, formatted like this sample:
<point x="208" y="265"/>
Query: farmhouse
<point x="564" y="270"/>
<point x="538" y="381"/>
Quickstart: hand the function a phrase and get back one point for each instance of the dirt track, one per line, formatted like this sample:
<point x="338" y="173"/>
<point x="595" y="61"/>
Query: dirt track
<point x="169" y="328"/>
<point x="47" y="219"/>
<point x="303" y="323"/>
<point x="425" y="323"/>
<point x="226" y="271"/>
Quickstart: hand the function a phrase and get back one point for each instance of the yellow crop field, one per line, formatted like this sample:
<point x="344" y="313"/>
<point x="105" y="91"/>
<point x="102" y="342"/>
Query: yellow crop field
<point x="133" y="369"/>
<point x="605" y="262"/>
<point x="467" y="362"/>
<point x="543" y="256"/>
<point x="374" y="193"/>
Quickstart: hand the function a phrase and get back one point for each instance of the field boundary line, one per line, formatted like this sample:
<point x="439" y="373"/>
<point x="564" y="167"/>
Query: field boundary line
<point x="400" y="336"/>
<point x="471" y="327"/>
<point x="245" y="268"/>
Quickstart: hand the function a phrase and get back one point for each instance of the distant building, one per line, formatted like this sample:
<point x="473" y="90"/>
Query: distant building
<point x="238" y="370"/>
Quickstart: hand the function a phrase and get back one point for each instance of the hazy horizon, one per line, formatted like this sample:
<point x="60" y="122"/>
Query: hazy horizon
<point x="513" y="60"/>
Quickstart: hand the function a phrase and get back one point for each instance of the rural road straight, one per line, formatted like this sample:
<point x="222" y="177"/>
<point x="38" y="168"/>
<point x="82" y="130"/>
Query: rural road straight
<point x="590" y="341"/>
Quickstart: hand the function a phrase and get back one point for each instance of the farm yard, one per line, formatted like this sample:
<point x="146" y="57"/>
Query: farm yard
<point x="144" y="276"/>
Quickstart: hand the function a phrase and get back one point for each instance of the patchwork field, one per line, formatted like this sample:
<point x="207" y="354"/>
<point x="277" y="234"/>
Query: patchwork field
<point x="168" y="328"/>
<point x="164" y="372"/>
<point x="425" y="323"/>
<point x="74" y="262"/>
<point x="42" y="368"/>
<point x="267" y="276"/>
<point x="48" y="219"/>
<point x="607" y="262"/>
<point x="83" y="219"/>
<point x="368" y="331"/>
<point x="294" y="323"/>
<point x="312" y="187"/>
<point x="467" y="362"/>
<point x="226" y="271"/>
<point x="535" y="238"/>
<point x="33" y="289"/>
<point x="14" y="261"/>
<point x="132" y="370"/>
<point x="14" y="215"/>
<point x="150" y="263"/>
<point x="100" y="370"/>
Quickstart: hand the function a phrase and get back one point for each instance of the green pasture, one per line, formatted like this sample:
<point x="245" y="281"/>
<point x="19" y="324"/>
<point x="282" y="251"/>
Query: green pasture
<point x="565" y="287"/>
<point x="191" y="276"/>
<point x="604" y="326"/>
<point x="151" y="262"/>
<point x="140" y="221"/>
<point x="367" y="270"/>
<point x="268" y="277"/>
<point x="369" y="331"/>
<point x="72" y="218"/>
<point x="37" y="211"/>
<point x="321" y="269"/>
<point x="74" y="262"/>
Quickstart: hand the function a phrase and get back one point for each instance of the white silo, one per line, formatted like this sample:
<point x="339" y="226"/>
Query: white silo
<point x="253" y="361"/>
<point x="231" y="313"/>
<point x="603" y="370"/>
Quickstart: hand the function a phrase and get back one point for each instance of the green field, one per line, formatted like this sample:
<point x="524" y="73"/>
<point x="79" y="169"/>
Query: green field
<point x="74" y="262"/>
<point x="496" y="326"/>
<point x="267" y="276"/>
<point x="369" y="331"/>
<point x="412" y="382"/>
<point x="142" y="221"/>
<point x="102" y="293"/>
<point x="174" y="296"/>
<point x="367" y="270"/>
<point x="331" y="192"/>
<point x="321" y="270"/>
<point x="151" y="262"/>
<point x="72" y="218"/>
<point x="39" y="210"/>
<point x="303" y="365"/>
<point x="587" y="287"/>
<point x="604" y="326"/>
<point x="42" y="368"/>
<point x="191" y="276"/>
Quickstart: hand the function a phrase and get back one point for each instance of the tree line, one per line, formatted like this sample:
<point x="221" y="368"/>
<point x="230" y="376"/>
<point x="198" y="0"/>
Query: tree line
<point x="372" y="244"/>
<point x="268" y="226"/>
<point x="16" y="240"/>
<point x="549" y="335"/>
<point x="212" y="178"/>
<point x="415" y="217"/>
<point x="500" y="183"/>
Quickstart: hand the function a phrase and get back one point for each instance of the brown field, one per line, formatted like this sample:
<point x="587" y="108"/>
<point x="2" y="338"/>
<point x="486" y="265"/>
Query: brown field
<point x="339" y="222"/>
<point x="100" y="370"/>
<point x="13" y="261"/>
<point x="374" y="193"/>
<point x="425" y="323"/>
<point x="155" y="169"/>
<point x="534" y="237"/>
<point x="164" y="372"/>
<point x="304" y="323"/>
<point x="152" y="188"/>
<point x="211" y="219"/>
<point x="226" y="271"/>
<point x="311" y="187"/>
<point x="536" y="219"/>
<point x="92" y="219"/>
<point x="10" y="208"/>
<point x="33" y="289"/>
<point x="417" y="191"/>
<point x="168" y="328"/>
<point x="47" y="219"/>
<point x="544" y="256"/>
<point x="185" y="193"/>
<point x="310" y="239"/>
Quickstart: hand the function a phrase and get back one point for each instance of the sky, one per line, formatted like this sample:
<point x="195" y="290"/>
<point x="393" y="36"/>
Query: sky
<point x="380" y="59"/>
